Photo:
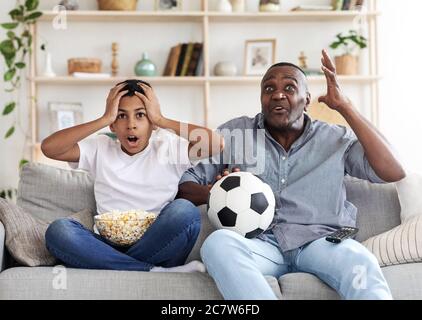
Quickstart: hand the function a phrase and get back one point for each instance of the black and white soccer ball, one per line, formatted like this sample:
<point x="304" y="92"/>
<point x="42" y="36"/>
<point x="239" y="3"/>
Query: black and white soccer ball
<point x="243" y="203"/>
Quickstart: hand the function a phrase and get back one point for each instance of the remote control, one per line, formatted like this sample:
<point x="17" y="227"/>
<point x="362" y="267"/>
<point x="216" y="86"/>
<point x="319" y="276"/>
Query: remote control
<point x="342" y="234"/>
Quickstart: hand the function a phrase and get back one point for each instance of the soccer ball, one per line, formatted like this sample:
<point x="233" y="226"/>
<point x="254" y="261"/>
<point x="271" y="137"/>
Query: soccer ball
<point x="241" y="202"/>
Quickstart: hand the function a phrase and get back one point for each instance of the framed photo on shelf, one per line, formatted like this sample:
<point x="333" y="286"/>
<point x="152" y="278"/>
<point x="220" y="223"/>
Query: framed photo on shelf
<point x="259" y="56"/>
<point x="166" y="5"/>
<point x="64" y="115"/>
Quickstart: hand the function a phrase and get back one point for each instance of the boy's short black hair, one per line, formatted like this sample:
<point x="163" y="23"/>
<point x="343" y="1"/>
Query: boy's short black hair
<point x="133" y="85"/>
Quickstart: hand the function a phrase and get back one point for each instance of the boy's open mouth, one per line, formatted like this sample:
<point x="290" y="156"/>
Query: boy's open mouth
<point x="132" y="140"/>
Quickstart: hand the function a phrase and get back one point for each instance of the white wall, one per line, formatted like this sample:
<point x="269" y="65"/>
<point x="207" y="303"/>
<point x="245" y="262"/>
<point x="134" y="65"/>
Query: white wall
<point x="226" y="41"/>
<point x="401" y="68"/>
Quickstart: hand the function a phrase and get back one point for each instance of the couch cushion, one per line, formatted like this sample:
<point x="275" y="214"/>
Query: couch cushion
<point x="66" y="283"/>
<point x="305" y="286"/>
<point x="49" y="193"/>
<point x="409" y="191"/>
<point x="378" y="206"/>
<point x="25" y="235"/>
<point x="405" y="281"/>
<point x="403" y="244"/>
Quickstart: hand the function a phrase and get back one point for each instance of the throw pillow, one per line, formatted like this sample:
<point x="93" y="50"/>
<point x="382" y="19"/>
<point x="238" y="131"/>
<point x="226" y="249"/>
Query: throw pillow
<point x="25" y="235"/>
<point x="403" y="244"/>
<point x="409" y="190"/>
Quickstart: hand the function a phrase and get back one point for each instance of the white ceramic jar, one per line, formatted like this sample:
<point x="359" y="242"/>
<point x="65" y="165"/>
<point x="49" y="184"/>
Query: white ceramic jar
<point x="225" y="69"/>
<point x="238" y="5"/>
<point x="224" y="6"/>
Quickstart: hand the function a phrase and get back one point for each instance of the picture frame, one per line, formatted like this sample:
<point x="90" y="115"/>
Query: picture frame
<point x="260" y="54"/>
<point x="168" y="5"/>
<point x="64" y="115"/>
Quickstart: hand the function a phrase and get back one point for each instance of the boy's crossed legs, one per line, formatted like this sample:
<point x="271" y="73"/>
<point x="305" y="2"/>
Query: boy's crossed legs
<point x="238" y="266"/>
<point x="166" y="243"/>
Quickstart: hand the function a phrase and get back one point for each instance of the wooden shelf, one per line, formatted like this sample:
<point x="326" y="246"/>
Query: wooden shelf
<point x="197" y="16"/>
<point x="129" y="16"/>
<point x="287" y="16"/>
<point x="190" y="80"/>
<point x="67" y="80"/>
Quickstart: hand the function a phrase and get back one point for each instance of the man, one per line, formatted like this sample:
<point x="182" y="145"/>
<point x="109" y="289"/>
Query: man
<point x="305" y="165"/>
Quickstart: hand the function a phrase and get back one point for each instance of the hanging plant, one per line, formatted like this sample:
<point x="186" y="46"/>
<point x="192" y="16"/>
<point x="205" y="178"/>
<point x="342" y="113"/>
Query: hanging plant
<point x="16" y="49"/>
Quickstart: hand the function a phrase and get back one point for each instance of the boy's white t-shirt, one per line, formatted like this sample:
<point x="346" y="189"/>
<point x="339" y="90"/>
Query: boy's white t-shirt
<point x="147" y="180"/>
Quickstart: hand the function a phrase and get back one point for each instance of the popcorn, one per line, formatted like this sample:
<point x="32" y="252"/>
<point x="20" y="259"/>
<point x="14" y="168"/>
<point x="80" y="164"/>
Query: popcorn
<point x="124" y="228"/>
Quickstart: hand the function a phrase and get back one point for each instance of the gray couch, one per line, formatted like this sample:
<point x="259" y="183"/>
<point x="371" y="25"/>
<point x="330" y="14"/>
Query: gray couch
<point x="49" y="193"/>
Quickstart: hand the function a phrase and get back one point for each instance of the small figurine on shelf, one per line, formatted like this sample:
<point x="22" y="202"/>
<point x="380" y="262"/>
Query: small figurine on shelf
<point x="114" y="61"/>
<point x="70" y="4"/>
<point x="302" y="61"/>
<point x="238" y="5"/>
<point x="269" y="5"/>
<point x="145" y="67"/>
<point x="48" y="67"/>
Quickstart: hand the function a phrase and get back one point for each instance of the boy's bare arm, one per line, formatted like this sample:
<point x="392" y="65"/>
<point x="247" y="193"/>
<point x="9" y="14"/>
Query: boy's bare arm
<point x="209" y="140"/>
<point x="63" y="145"/>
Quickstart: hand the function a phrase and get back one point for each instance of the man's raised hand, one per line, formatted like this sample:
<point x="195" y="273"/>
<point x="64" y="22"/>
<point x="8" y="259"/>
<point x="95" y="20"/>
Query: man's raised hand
<point x="112" y="104"/>
<point x="334" y="98"/>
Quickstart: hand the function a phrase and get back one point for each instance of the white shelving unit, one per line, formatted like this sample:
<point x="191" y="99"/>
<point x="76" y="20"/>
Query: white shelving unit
<point x="205" y="17"/>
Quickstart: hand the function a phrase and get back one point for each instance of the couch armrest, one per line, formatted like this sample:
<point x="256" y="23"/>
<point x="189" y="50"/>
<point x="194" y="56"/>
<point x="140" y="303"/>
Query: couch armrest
<point x="2" y="251"/>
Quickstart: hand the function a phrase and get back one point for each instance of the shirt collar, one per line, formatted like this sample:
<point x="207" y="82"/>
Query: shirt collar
<point x="309" y="127"/>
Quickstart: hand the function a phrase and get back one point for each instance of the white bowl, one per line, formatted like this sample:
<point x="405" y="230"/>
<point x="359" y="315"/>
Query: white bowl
<point x="124" y="228"/>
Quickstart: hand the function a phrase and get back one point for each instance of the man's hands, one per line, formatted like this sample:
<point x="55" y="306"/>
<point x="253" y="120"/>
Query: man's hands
<point x="334" y="98"/>
<point x="223" y="174"/>
<point x="151" y="103"/>
<point x="112" y="105"/>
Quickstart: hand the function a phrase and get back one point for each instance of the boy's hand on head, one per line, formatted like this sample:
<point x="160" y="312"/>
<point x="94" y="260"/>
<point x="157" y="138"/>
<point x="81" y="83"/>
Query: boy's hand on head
<point x="112" y="105"/>
<point x="151" y="103"/>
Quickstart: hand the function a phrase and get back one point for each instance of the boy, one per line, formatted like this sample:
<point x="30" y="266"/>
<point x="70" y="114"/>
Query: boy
<point x="139" y="170"/>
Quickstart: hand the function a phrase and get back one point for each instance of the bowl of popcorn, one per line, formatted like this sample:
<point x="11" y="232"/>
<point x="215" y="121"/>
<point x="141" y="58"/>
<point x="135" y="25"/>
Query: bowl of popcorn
<point x="124" y="228"/>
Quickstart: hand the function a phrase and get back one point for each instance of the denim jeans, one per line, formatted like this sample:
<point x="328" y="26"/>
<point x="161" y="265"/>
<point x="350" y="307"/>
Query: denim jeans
<point x="167" y="242"/>
<point x="238" y="266"/>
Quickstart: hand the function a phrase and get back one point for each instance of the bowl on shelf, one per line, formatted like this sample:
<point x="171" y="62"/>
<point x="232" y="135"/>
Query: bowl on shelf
<point x="124" y="228"/>
<point x="124" y="5"/>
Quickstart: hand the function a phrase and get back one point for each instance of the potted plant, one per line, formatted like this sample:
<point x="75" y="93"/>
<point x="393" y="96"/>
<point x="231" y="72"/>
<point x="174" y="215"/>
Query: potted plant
<point x="16" y="49"/>
<point x="350" y="44"/>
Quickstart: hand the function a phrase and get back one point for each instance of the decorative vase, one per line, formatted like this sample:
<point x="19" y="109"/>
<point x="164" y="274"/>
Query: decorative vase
<point x="347" y="64"/>
<point x="224" y="6"/>
<point x="145" y="67"/>
<point x="269" y="5"/>
<point x="238" y="5"/>
<point x="225" y="68"/>
<point x="48" y="68"/>
<point x="70" y="4"/>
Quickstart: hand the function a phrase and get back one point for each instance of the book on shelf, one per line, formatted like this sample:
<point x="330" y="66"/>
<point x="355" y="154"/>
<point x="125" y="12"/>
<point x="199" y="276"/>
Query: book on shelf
<point x="172" y="60"/>
<point x="195" y="59"/>
<point x="188" y="55"/>
<point x="347" y="5"/>
<point x="181" y="59"/>
<point x="184" y="59"/>
<point x="313" y="8"/>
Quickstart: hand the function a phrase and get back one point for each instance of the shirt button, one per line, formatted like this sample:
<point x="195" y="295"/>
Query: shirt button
<point x="284" y="158"/>
<point x="283" y="181"/>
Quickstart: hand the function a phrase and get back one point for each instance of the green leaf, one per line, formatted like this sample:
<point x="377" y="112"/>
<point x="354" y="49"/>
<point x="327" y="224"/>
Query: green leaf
<point x="33" y="16"/>
<point x="22" y="163"/>
<point x="9" y="108"/>
<point x="9" y="193"/>
<point x="7" y="48"/>
<point x="11" y="35"/>
<point x="10" y="61"/>
<point x="31" y="4"/>
<point x="9" y="132"/>
<point x="20" y="65"/>
<point x="3" y="194"/>
<point x="15" y="12"/>
<point x="9" y="74"/>
<point x="10" y="25"/>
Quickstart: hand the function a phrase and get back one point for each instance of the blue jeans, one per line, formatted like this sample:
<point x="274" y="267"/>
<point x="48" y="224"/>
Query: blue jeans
<point x="167" y="242"/>
<point x="238" y="266"/>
